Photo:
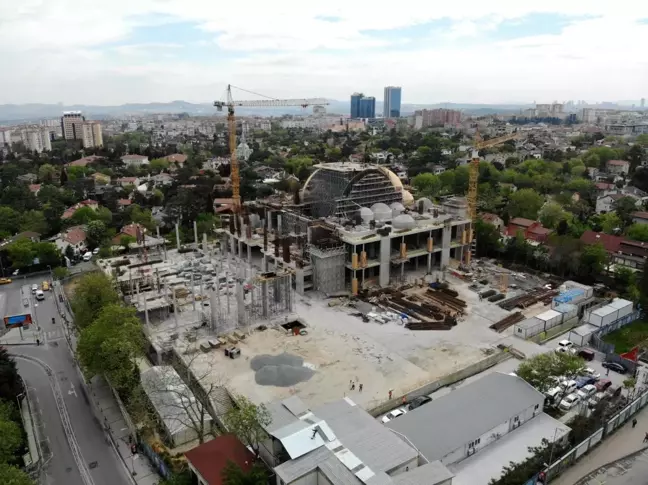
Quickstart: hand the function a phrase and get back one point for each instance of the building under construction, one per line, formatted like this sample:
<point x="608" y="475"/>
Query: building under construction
<point x="352" y="231"/>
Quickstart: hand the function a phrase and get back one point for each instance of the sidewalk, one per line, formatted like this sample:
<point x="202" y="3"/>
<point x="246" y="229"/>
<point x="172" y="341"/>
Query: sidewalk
<point x="107" y="410"/>
<point x="625" y="441"/>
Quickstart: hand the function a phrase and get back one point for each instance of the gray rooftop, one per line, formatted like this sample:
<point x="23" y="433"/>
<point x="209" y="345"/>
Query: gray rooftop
<point x="428" y="474"/>
<point x="465" y="414"/>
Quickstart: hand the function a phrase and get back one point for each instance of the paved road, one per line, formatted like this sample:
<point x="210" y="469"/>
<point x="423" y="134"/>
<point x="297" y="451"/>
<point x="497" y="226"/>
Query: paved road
<point x="97" y="453"/>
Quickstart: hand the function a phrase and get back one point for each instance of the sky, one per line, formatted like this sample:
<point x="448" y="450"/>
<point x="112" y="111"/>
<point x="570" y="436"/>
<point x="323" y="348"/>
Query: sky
<point x="464" y="51"/>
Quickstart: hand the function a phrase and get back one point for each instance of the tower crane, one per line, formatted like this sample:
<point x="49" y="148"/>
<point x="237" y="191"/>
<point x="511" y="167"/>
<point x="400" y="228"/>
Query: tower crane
<point x="473" y="174"/>
<point x="230" y="103"/>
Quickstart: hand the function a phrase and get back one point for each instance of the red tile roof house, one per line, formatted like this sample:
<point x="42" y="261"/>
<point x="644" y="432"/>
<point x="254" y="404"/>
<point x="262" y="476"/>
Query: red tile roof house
<point x="623" y="252"/>
<point x="208" y="460"/>
<point x="34" y="188"/>
<point x="640" y="217"/>
<point x="69" y="212"/>
<point x="121" y="203"/>
<point x="74" y="236"/>
<point x="176" y="159"/>
<point x="619" y="167"/>
<point x="82" y="162"/>
<point x="532" y="230"/>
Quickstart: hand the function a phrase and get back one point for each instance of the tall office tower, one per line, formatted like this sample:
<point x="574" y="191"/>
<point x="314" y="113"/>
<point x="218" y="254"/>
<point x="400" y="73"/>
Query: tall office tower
<point x="355" y="104"/>
<point x="392" y="102"/>
<point x="368" y="107"/>
<point x="71" y="124"/>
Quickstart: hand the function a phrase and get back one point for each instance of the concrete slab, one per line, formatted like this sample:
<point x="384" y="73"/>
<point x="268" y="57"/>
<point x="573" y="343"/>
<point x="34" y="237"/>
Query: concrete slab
<point x="488" y="463"/>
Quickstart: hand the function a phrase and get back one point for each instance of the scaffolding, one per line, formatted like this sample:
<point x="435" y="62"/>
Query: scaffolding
<point x="341" y="189"/>
<point x="328" y="267"/>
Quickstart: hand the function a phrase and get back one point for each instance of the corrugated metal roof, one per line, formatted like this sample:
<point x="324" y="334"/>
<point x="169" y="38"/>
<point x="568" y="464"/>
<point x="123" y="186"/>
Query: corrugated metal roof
<point x="465" y="414"/>
<point x="548" y="315"/>
<point x="428" y="474"/>
<point x="585" y="330"/>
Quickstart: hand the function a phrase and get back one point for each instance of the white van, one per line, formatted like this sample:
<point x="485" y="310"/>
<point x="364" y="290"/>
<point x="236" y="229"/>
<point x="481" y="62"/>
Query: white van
<point x="87" y="256"/>
<point x="40" y="295"/>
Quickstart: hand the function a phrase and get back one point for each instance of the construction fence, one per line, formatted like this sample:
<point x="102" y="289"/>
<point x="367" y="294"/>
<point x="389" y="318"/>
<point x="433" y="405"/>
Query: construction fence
<point x="569" y="458"/>
<point x="447" y="380"/>
<point x="597" y="342"/>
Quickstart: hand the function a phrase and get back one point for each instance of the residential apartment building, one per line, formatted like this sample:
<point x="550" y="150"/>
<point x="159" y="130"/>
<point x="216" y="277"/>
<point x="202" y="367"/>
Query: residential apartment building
<point x="430" y="117"/>
<point x="135" y="160"/>
<point x="619" y="167"/>
<point x="91" y="135"/>
<point x="392" y="102"/>
<point x="71" y="125"/>
<point x="37" y="140"/>
<point x="5" y="137"/>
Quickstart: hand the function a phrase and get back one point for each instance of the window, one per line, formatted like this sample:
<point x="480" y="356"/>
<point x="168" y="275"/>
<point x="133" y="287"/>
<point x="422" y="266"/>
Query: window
<point x="472" y="444"/>
<point x="536" y="407"/>
<point x="516" y="419"/>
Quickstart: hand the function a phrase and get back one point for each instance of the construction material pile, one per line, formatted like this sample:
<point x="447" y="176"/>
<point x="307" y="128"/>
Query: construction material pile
<point x="508" y="321"/>
<point x="526" y="300"/>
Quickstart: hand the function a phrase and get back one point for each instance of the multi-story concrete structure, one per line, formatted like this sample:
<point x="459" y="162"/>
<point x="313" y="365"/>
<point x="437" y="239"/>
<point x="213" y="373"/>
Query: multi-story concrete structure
<point x="392" y="102"/>
<point x="5" y="137"/>
<point x="351" y="230"/>
<point x="71" y="125"/>
<point x="91" y="135"/>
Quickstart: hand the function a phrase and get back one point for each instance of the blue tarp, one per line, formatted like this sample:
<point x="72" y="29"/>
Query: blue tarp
<point x="569" y="295"/>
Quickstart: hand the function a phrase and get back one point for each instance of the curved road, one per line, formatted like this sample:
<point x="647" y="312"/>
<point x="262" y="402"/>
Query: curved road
<point x="97" y="454"/>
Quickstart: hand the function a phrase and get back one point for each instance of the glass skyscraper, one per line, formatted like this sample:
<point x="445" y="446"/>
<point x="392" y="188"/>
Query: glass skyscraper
<point x="362" y="107"/>
<point x="392" y="102"/>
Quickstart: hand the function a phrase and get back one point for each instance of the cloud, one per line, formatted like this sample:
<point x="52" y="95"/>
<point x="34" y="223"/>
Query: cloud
<point x="77" y="52"/>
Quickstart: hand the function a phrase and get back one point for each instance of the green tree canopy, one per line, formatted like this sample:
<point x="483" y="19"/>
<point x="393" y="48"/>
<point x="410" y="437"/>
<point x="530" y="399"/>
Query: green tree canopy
<point x="10" y="384"/>
<point x="9" y="220"/>
<point x="525" y="203"/>
<point x="10" y="475"/>
<point x="247" y="420"/>
<point x="11" y="433"/>
<point x="551" y="214"/>
<point x="46" y="173"/>
<point x="593" y="260"/>
<point x="610" y="223"/>
<point x="34" y="221"/>
<point x="158" y="165"/>
<point x="638" y="232"/>
<point x="541" y="370"/>
<point x="110" y="344"/>
<point x="95" y="233"/>
<point x="624" y="207"/>
<point x="94" y="291"/>
<point x="427" y="184"/>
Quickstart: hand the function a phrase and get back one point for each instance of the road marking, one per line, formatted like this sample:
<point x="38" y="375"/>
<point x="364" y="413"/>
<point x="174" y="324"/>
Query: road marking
<point x="72" y="390"/>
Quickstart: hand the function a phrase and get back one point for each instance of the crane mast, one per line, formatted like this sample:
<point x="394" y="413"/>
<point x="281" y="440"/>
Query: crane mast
<point x="230" y="103"/>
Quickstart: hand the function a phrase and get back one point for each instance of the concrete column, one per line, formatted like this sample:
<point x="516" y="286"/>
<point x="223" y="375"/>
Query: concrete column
<point x="445" y="245"/>
<point x="279" y="223"/>
<point x="385" y="250"/>
<point x="309" y="234"/>
<point x="249" y="254"/>
<point x="232" y="244"/>
<point x="195" y="224"/>
<point x="299" y="281"/>
<point x="240" y="248"/>
<point x="177" y="229"/>
<point x="264" y="297"/>
<point x="429" y="263"/>
<point x="204" y="243"/>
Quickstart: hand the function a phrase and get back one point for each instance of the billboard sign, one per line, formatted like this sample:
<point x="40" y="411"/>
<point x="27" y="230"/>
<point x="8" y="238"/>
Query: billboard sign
<point x="16" y="321"/>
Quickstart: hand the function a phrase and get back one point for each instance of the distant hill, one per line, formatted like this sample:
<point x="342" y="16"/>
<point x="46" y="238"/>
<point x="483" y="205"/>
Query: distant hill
<point x="30" y="112"/>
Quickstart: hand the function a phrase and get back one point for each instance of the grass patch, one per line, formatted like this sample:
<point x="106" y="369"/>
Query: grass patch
<point x="628" y="337"/>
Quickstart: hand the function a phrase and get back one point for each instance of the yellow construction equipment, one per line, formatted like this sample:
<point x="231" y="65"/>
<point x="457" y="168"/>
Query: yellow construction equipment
<point x="229" y="103"/>
<point x="473" y="175"/>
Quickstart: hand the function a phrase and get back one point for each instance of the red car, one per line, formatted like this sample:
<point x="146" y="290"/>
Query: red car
<point x="602" y="384"/>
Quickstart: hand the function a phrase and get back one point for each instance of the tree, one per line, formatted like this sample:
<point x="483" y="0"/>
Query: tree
<point x="235" y="475"/>
<point x="10" y="383"/>
<point x="93" y="292"/>
<point x="542" y="370"/>
<point x="638" y="232"/>
<point x="21" y="253"/>
<point x="33" y="221"/>
<point x="592" y="260"/>
<point x="247" y="421"/>
<point x="551" y="214"/>
<point x="642" y="140"/>
<point x="635" y="156"/>
<point x="95" y="233"/>
<point x="643" y="285"/>
<point x="11" y="435"/>
<point x="110" y="344"/>
<point x="60" y="273"/>
<point x="488" y="238"/>
<point x="10" y="475"/>
<point x="83" y="215"/>
<point x="47" y="253"/>
<point x="610" y="223"/>
<point x="9" y="220"/>
<point x="158" y="165"/>
<point x="525" y="203"/>
<point x="429" y="185"/>
<point x="46" y="173"/>
<point x="624" y="207"/>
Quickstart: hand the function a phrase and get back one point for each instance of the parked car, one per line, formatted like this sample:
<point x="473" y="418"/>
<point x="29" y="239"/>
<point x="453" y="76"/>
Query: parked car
<point x="615" y="366"/>
<point x="583" y="381"/>
<point x="586" y="392"/>
<point x="417" y="402"/>
<point x="565" y="346"/>
<point x="553" y="394"/>
<point x="569" y="386"/>
<point x="95" y="251"/>
<point x="34" y="289"/>
<point x="596" y="399"/>
<point x="393" y="415"/>
<point x="586" y="354"/>
<point x="40" y="295"/>
<point x="591" y="372"/>
<point x="87" y="256"/>
<point x="569" y="402"/>
<point x="602" y="385"/>
<point x="5" y="281"/>
<point x="45" y="286"/>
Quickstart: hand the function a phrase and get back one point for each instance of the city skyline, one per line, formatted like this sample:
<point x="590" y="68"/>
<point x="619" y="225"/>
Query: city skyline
<point x="150" y="50"/>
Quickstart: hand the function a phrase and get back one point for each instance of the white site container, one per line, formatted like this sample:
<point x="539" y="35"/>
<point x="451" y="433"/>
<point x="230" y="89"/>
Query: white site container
<point x="551" y="318"/>
<point x="601" y="317"/>
<point x="568" y="311"/>
<point x="624" y="307"/>
<point x="529" y="328"/>
<point x="581" y="335"/>
<point x="588" y="290"/>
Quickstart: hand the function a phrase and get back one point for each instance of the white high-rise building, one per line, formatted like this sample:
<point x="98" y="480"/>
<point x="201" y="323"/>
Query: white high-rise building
<point x="91" y="135"/>
<point x="37" y="140"/>
<point x="5" y="137"/>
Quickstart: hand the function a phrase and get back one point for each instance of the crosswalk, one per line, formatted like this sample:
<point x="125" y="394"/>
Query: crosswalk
<point x="54" y="334"/>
